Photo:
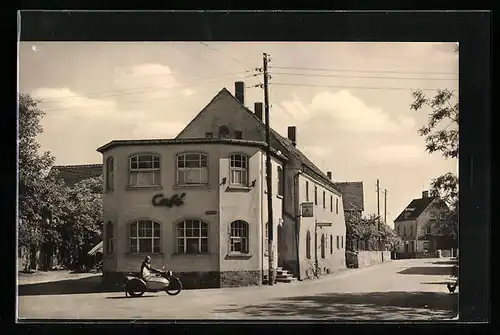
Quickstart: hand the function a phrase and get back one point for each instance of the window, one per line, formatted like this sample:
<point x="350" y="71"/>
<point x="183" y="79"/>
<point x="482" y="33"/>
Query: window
<point x="336" y="205"/>
<point x="324" y="199"/>
<point x="209" y="135"/>
<point x="239" y="237"/>
<point x="411" y="230"/>
<point x="109" y="238"/>
<point x="307" y="191"/>
<point x="238" y="135"/>
<point x="308" y="245"/>
<point x="331" y="244"/>
<point x="331" y="203"/>
<point x="338" y="242"/>
<point x="342" y="242"/>
<point x="280" y="181"/>
<point x="323" y="245"/>
<point x="144" y="170"/>
<point x="192" y="168"/>
<point x="145" y="237"/>
<point x="315" y="195"/>
<point x="404" y="230"/>
<point x="223" y="132"/>
<point x="428" y="229"/>
<point x="433" y="216"/>
<point x="239" y="169"/>
<point x="266" y="238"/>
<point x="109" y="174"/>
<point x="443" y="215"/>
<point x="192" y="237"/>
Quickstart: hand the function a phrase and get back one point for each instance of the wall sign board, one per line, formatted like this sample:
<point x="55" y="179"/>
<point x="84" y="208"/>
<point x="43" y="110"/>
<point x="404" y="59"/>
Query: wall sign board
<point x="307" y="209"/>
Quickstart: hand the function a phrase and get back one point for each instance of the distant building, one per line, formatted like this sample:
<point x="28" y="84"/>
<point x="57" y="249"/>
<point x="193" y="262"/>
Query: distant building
<point x="418" y="225"/>
<point x="352" y="197"/>
<point x="198" y="202"/>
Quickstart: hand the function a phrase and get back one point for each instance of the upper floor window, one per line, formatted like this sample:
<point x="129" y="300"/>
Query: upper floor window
<point x="109" y="238"/>
<point x="109" y="174"/>
<point x="239" y="169"/>
<point x="433" y="216"/>
<point x="404" y="230"/>
<point x="192" y="168"/>
<point x="144" y="170"/>
<point x="331" y="203"/>
<point x="336" y="205"/>
<point x="192" y="237"/>
<point x="323" y="246"/>
<point x="428" y="229"/>
<point x="223" y="132"/>
<point x="238" y="239"/>
<point x="443" y="215"/>
<point x="338" y="242"/>
<point x="307" y="191"/>
<point x="145" y="236"/>
<point x="308" y="245"/>
<point x="331" y="244"/>
<point x="281" y="183"/>
<point x="324" y="199"/>
<point x="342" y="242"/>
<point x="315" y="195"/>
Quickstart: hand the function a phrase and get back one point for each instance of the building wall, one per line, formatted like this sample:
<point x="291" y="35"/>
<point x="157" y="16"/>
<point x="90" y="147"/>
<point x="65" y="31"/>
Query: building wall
<point x="430" y="216"/>
<point x="125" y="204"/>
<point x="334" y="256"/>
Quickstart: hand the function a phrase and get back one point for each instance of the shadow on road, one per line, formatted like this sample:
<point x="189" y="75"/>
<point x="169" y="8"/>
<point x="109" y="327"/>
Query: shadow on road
<point x="356" y="306"/>
<point x="448" y="262"/>
<point x="428" y="270"/>
<point x="439" y="282"/>
<point x="129" y="297"/>
<point x="69" y="286"/>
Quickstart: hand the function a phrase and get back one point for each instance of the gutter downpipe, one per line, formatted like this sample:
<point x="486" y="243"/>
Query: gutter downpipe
<point x="297" y="219"/>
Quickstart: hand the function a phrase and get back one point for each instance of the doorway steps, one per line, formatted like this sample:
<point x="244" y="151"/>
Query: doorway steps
<point x="282" y="276"/>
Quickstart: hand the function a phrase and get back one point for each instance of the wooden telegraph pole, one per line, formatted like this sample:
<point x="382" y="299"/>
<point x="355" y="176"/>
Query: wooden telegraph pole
<point x="268" y="174"/>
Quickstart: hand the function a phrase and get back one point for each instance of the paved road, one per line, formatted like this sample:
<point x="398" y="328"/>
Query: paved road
<point x="399" y="290"/>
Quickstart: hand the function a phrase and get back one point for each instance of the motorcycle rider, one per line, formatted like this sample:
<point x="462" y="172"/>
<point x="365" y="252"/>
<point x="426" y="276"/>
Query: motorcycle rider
<point x="147" y="269"/>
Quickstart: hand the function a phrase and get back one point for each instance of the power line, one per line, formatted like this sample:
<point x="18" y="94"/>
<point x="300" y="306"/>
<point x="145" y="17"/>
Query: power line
<point x="220" y="52"/>
<point x="358" y="87"/>
<point x="353" y="70"/>
<point x="366" y="77"/>
<point x="146" y="89"/>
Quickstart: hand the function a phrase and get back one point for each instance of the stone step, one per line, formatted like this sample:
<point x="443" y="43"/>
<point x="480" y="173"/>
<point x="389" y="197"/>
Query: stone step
<point x="286" y="280"/>
<point x="281" y="272"/>
<point x="285" y="276"/>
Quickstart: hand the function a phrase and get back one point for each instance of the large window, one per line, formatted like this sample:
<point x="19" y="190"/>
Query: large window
<point x="145" y="237"/>
<point x="308" y="245"/>
<point x="192" y="168"/>
<point x="342" y="242"/>
<point x="307" y="191"/>
<point x="336" y="205"/>
<point x="109" y="238"/>
<point x="238" y="239"/>
<point x="144" y="170"/>
<point x="331" y="203"/>
<point x="192" y="237"/>
<point x="109" y="174"/>
<point x="331" y="244"/>
<point x="239" y="169"/>
<point x="315" y="195"/>
<point x="323" y="246"/>
<point x="324" y="199"/>
<point x="281" y="183"/>
<point x="338" y="242"/>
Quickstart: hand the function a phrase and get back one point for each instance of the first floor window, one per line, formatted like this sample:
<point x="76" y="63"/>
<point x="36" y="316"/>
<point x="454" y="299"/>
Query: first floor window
<point x="144" y="170"/>
<point x="342" y="242"/>
<point x="238" y="169"/>
<point x="109" y="238"/>
<point x="145" y="236"/>
<point x="281" y="182"/>
<point x="331" y="244"/>
<point x="192" y="237"/>
<point x="323" y="245"/>
<point x="308" y="245"/>
<point x="109" y="174"/>
<point x="192" y="168"/>
<point x="338" y="242"/>
<point x="239" y="236"/>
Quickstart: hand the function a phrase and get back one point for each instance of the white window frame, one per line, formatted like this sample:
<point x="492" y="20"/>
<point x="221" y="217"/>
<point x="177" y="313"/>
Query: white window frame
<point x="109" y="243"/>
<point x="135" y="229"/>
<point x="198" y="231"/>
<point x="239" y="232"/>
<point x="201" y="169"/>
<point x="135" y="169"/>
<point x="110" y="167"/>
<point x="235" y="170"/>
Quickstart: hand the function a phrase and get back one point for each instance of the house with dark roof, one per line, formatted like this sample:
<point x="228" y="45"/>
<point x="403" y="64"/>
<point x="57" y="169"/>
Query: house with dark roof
<point x="418" y="224"/>
<point x="352" y="197"/>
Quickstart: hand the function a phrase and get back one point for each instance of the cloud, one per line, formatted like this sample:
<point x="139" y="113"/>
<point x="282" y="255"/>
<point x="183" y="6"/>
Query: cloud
<point x="188" y="91"/>
<point x="317" y="151"/>
<point x="394" y="154"/>
<point x="152" y="130"/>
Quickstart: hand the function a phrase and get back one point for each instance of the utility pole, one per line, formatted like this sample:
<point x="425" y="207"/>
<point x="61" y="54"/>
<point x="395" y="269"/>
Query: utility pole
<point x="385" y="206"/>
<point x="378" y="211"/>
<point x="268" y="174"/>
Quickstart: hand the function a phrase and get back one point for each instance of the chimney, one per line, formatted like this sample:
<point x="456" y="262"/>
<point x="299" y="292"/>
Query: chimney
<point x="258" y="107"/>
<point x="329" y="175"/>
<point x="239" y="91"/>
<point x="292" y="134"/>
<point x="425" y="194"/>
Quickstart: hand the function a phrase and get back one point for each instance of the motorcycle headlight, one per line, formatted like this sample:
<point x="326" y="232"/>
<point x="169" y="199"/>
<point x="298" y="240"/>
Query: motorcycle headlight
<point x="169" y="273"/>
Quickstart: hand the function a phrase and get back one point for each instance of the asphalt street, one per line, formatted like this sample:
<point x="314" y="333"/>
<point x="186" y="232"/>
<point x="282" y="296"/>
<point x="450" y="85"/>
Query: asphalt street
<point x="404" y="290"/>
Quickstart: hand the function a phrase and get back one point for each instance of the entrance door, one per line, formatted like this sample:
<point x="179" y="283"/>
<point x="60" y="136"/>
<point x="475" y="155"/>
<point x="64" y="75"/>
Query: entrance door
<point x="281" y="245"/>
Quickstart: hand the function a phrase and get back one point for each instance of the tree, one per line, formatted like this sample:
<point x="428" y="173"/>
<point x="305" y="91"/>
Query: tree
<point x="368" y="231"/>
<point x="443" y="107"/>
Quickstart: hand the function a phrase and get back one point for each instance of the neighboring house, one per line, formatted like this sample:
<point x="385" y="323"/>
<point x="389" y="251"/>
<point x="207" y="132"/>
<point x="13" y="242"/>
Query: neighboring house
<point x="352" y="197"/>
<point x="198" y="202"/>
<point x="418" y="224"/>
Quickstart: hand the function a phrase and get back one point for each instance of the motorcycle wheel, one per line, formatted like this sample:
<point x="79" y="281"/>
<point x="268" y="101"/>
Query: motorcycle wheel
<point x="175" y="286"/>
<point x="135" y="290"/>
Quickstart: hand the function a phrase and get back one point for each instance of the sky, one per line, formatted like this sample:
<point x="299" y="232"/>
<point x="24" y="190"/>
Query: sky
<point x="350" y="102"/>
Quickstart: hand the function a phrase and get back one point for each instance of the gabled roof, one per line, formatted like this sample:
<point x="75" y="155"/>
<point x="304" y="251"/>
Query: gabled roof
<point x="414" y="209"/>
<point x="72" y="174"/>
<point x="352" y="195"/>
<point x="276" y="140"/>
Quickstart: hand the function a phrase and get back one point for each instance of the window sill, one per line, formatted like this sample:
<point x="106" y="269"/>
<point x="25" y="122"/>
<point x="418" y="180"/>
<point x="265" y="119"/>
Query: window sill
<point x="178" y="254"/>
<point x="149" y="187"/>
<point x="144" y="254"/>
<point x="237" y="255"/>
<point x="236" y="188"/>
<point x="180" y="186"/>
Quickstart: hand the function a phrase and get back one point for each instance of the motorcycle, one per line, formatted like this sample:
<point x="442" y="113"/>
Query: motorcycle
<point x="166" y="281"/>
<point x="452" y="286"/>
